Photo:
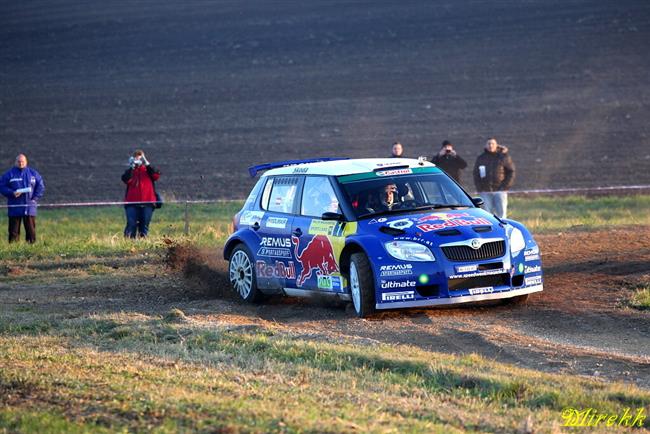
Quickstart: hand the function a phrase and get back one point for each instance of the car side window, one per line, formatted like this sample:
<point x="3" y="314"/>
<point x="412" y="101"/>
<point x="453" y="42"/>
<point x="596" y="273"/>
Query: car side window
<point x="266" y="194"/>
<point x="318" y="197"/>
<point x="254" y="194"/>
<point x="283" y="194"/>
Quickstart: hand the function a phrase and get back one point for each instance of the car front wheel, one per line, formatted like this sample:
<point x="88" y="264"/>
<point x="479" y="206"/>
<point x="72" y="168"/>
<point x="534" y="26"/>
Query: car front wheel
<point x="242" y="274"/>
<point x="362" y="285"/>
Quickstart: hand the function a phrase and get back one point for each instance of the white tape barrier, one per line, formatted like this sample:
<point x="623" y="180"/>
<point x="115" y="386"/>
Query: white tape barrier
<point x="205" y="201"/>
<point x="79" y="204"/>
<point x="581" y="190"/>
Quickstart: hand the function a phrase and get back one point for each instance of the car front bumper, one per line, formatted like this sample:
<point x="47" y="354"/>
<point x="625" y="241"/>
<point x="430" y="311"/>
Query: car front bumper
<point x="461" y="298"/>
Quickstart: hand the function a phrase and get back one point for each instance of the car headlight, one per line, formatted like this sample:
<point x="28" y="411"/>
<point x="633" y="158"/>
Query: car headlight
<point x="409" y="251"/>
<point x="517" y="242"/>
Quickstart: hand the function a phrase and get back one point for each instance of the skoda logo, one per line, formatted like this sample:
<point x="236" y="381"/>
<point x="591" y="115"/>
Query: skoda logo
<point x="475" y="243"/>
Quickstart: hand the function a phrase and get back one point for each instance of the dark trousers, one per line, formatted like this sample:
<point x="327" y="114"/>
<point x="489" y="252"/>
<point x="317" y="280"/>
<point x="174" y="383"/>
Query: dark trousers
<point x="30" y="228"/>
<point x="137" y="220"/>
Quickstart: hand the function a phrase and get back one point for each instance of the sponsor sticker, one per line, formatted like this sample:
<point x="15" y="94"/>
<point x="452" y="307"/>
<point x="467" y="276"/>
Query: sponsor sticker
<point x="532" y="269"/>
<point x="442" y="216"/>
<point x="466" y="268"/>
<point x="395" y="172"/>
<point x="273" y="252"/>
<point x="301" y="170"/>
<point x="416" y="239"/>
<point x="396" y="296"/>
<point x="392" y="163"/>
<point x="276" y="222"/>
<point x="278" y="270"/>
<point x="250" y="217"/>
<point x="533" y="280"/>
<point x="323" y="227"/>
<point x="317" y="256"/>
<point x="390" y="284"/>
<point x="329" y="282"/>
<point x="484" y="290"/>
<point x="275" y="242"/>
<point x="400" y="224"/>
<point x="454" y="222"/>
<point x="531" y="254"/>
<point x="479" y="273"/>
<point x="396" y="270"/>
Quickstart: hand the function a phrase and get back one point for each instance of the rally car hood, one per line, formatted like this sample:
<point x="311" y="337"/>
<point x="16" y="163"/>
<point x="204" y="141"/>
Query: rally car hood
<point x="461" y="223"/>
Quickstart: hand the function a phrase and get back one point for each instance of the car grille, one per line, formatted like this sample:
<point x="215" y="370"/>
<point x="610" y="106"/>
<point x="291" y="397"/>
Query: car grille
<point x="489" y="250"/>
<point x="502" y="279"/>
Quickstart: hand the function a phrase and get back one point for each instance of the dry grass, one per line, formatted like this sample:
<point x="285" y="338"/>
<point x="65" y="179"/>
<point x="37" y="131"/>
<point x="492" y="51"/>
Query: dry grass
<point x="140" y="372"/>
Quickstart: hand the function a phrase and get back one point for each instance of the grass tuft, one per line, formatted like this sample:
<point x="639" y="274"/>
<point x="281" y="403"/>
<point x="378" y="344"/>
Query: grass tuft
<point x="641" y="298"/>
<point x="175" y="315"/>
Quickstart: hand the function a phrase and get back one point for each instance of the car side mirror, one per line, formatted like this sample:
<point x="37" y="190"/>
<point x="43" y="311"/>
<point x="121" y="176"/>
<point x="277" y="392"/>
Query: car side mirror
<point x="332" y="216"/>
<point x="478" y="201"/>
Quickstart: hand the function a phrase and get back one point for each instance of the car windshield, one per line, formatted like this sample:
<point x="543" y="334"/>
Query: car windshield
<point x="371" y="194"/>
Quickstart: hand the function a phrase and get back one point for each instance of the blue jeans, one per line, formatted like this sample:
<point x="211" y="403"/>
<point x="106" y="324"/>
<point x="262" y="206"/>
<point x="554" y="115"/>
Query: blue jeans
<point x="137" y="220"/>
<point x="495" y="202"/>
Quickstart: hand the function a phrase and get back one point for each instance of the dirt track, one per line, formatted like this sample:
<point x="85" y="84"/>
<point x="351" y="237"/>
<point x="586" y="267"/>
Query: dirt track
<point x="578" y="325"/>
<point x="209" y="88"/>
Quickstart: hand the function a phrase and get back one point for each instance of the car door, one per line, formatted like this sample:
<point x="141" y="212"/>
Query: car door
<point x="317" y="243"/>
<point x="275" y="265"/>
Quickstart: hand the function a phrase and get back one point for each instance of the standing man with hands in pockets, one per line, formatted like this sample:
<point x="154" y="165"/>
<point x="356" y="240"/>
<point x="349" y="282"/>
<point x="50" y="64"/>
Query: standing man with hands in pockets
<point x="494" y="173"/>
<point x="22" y="186"/>
<point x="140" y="191"/>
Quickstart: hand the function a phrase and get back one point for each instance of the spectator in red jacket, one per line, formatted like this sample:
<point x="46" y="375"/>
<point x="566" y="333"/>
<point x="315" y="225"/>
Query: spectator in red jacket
<point x="140" y="191"/>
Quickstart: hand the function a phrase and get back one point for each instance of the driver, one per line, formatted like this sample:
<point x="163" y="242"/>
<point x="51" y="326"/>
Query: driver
<point x="388" y="197"/>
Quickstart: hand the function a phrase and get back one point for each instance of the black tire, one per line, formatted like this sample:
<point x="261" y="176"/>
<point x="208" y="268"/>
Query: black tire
<point x="515" y="301"/>
<point x="242" y="275"/>
<point x="362" y="285"/>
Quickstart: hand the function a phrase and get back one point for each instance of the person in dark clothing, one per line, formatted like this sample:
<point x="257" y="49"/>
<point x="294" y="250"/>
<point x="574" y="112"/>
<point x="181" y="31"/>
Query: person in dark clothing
<point x="449" y="161"/>
<point x="22" y="186"/>
<point x="139" y="179"/>
<point x="494" y="173"/>
<point x="397" y="151"/>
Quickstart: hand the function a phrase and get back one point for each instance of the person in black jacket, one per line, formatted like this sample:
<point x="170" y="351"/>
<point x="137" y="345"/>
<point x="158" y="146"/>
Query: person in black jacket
<point x="449" y="161"/>
<point x="397" y="151"/>
<point x="494" y="173"/>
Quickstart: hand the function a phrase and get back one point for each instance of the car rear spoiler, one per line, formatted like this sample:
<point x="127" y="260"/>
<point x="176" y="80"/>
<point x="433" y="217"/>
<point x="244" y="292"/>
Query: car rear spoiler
<point x="253" y="170"/>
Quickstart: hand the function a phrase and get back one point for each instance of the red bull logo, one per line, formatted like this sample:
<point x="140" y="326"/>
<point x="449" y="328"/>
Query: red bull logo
<point x="442" y="216"/>
<point x="278" y="270"/>
<point x="317" y="255"/>
<point x="449" y="220"/>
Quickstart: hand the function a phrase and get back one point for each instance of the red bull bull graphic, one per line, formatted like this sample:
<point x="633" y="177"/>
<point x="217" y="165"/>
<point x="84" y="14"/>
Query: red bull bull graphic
<point x="317" y="255"/>
<point x="434" y="222"/>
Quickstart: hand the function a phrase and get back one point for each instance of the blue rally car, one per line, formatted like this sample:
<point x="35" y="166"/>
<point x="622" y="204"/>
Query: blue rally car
<point x="383" y="233"/>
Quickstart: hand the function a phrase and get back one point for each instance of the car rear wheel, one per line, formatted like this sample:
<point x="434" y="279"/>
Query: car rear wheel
<point x="242" y="274"/>
<point x="362" y="285"/>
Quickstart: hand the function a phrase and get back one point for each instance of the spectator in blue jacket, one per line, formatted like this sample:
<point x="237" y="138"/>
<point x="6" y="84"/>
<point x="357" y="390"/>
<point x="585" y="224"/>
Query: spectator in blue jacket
<point x="22" y="186"/>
